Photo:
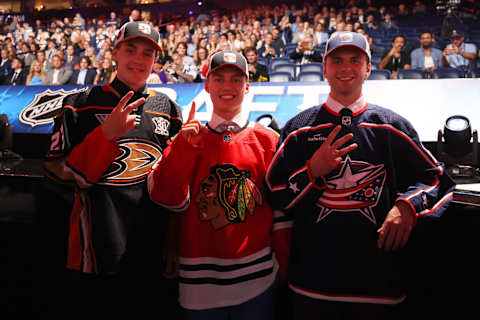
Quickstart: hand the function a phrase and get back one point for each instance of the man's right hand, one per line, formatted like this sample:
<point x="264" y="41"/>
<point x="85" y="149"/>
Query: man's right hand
<point x="329" y="156"/>
<point x="120" y="120"/>
<point x="193" y="130"/>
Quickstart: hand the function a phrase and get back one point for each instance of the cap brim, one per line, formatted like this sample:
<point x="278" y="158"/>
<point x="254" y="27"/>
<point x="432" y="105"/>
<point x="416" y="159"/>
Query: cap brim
<point x="347" y="45"/>
<point x="227" y="65"/>
<point x="156" y="45"/>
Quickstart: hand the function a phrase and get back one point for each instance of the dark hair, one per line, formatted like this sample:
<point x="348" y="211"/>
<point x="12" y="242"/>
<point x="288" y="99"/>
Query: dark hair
<point x="248" y="49"/>
<point x="84" y="58"/>
<point x="399" y="36"/>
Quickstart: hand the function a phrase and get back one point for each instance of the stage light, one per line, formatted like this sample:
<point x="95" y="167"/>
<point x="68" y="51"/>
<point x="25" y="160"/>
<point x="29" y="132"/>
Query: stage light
<point x="457" y="147"/>
<point x="457" y="134"/>
<point x="200" y="3"/>
<point x="268" y="121"/>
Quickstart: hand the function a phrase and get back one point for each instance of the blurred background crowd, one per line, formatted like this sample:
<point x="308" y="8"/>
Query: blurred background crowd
<point x="282" y="40"/>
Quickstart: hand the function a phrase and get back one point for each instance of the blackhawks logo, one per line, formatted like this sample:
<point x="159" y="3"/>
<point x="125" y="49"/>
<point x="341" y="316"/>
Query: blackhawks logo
<point x="226" y="195"/>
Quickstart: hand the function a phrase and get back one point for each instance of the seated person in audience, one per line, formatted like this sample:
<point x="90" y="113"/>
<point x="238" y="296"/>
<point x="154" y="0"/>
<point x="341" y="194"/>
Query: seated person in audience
<point x="395" y="58"/>
<point x="257" y="72"/>
<point x="426" y="57"/>
<point x="305" y="52"/>
<point x="179" y="72"/>
<point x="106" y="73"/>
<point x="17" y="75"/>
<point x="5" y="66"/>
<point x="157" y="75"/>
<point x="58" y="74"/>
<point x="458" y="54"/>
<point x="84" y="75"/>
<point x="269" y="49"/>
<point x="36" y="76"/>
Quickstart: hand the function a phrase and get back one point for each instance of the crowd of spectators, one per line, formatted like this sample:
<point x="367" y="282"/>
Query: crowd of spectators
<point x="78" y="50"/>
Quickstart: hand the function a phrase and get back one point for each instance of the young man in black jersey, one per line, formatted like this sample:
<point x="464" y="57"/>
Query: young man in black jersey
<point x="104" y="143"/>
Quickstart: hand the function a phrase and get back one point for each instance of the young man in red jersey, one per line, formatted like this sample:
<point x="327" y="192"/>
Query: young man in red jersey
<point x="232" y="245"/>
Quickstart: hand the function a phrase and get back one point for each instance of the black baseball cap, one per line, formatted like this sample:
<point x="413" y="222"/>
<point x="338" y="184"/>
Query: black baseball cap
<point x="227" y="58"/>
<point x="134" y="30"/>
<point x="456" y="34"/>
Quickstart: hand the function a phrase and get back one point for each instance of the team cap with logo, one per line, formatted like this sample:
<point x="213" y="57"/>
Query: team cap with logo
<point x="135" y="30"/>
<point x="227" y="58"/>
<point x="347" y="39"/>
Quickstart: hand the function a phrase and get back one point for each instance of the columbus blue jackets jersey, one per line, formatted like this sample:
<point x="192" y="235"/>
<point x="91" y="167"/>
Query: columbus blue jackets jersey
<point x="109" y="177"/>
<point x="336" y="217"/>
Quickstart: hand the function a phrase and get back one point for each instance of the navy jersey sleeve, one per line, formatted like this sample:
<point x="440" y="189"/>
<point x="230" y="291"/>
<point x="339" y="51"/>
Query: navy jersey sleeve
<point x="289" y="181"/>
<point x="423" y="181"/>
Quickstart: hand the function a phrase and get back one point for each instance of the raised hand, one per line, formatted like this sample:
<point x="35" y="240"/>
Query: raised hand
<point x="120" y="120"/>
<point x="329" y="156"/>
<point x="193" y="130"/>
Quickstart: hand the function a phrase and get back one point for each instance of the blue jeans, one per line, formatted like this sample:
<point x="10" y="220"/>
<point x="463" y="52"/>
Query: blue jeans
<point x="259" y="308"/>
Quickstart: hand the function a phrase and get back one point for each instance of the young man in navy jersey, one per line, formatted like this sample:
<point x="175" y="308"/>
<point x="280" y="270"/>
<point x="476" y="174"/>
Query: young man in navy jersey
<point x="355" y="199"/>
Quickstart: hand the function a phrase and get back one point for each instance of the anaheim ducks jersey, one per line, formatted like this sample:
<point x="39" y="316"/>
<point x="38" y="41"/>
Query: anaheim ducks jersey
<point x="109" y="177"/>
<point x="228" y="230"/>
<point x="336" y="217"/>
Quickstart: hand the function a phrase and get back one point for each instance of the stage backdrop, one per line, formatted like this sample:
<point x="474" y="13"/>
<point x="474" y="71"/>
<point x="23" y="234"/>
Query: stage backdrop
<point x="426" y="103"/>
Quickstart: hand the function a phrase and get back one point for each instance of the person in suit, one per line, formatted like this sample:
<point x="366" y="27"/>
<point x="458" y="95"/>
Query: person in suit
<point x="5" y="65"/>
<point x="17" y="76"/>
<point x="58" y="74"/>
<point x="84" y="75"/>
<point x="305" y="52"/>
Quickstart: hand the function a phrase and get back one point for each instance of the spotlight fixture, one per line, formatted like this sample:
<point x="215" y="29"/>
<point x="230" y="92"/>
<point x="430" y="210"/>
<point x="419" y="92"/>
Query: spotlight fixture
<point x="268" y="121"/>
<point x="200" y="3"/>
<point x="457" y="147"/>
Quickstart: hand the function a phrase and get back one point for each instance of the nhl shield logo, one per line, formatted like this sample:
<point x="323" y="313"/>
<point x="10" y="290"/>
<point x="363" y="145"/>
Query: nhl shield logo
<point x="44" y="107"/>
<point x="346" y="120"/>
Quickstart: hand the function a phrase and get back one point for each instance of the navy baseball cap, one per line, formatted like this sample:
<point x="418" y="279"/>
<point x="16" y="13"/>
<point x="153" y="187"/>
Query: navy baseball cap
<point x="134" y="30"/>
<point x="347" y="39"/>
<point x="456" y="34"/>
<point x="227" y="58"/>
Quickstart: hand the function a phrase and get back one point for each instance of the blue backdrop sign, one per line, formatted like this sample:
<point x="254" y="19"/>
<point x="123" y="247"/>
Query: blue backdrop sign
<point x="426" y="103"/>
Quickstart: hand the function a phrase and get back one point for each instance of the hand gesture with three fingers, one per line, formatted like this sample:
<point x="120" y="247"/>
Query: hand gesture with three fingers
<point x="329" y="156"/>
<point x="193" y="130"/>
<point x="120" y="120"/>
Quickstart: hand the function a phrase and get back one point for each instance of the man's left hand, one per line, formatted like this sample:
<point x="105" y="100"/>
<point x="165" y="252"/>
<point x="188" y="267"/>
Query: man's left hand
<point x="396" y="228"/>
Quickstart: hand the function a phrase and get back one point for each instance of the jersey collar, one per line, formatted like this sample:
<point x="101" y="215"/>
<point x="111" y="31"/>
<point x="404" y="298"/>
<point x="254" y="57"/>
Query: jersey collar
<point x="356" y="107"/>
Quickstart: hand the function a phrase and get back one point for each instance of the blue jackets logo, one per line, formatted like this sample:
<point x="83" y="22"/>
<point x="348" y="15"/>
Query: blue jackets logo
<point x="357" y="186"/>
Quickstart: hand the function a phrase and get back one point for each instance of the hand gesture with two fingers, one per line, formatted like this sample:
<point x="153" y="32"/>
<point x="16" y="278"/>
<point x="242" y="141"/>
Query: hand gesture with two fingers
<point x="120" y="120"/>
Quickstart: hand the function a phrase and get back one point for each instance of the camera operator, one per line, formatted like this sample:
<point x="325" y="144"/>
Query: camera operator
<point x="305" y="52"/>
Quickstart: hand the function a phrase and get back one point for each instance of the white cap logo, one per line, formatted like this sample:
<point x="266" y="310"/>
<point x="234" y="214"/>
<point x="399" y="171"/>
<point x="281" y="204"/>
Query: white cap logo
<point x="346" y="37"/>
<point x="145" y="28"/>
<point x="229" y="57"/>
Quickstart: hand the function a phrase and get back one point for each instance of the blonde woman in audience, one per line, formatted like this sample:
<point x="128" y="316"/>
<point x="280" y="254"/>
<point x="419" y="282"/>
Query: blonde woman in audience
<point x="36" y="76"/>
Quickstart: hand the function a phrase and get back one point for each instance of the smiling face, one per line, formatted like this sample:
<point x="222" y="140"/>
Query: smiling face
<point x="134" y="60"/>
<point x="346" y="68"/>
<point x="227" y="86"/>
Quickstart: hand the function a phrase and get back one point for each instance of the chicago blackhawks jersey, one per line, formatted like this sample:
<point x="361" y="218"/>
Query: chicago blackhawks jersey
<point x="109" y="177"/>
<point x="336" y="217"/>
<point x="227" y="230"/>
